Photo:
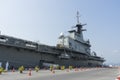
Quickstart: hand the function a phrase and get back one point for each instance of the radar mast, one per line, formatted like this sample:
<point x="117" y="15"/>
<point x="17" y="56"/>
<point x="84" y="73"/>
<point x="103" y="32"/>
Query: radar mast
<point x="79" y="25"/>
<point x="78" y="18"/>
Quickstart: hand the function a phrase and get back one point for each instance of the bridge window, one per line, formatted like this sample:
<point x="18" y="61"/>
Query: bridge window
<point x="30" y="45"/>
<point x="2" y="39"/>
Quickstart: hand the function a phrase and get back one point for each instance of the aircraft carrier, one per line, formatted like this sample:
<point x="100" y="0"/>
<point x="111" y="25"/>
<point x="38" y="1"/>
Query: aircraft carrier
<point x="71" y="50"/>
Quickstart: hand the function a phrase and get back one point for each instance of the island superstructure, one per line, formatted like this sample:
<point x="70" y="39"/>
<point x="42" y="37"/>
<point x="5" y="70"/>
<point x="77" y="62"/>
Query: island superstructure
<point x="71" y="50"/>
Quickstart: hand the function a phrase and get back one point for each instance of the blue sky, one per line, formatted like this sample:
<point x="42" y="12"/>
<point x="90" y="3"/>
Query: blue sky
<point x="44" y="20"/>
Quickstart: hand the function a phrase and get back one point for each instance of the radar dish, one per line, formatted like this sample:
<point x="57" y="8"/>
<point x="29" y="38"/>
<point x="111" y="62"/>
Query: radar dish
<point x="61" y="34"/>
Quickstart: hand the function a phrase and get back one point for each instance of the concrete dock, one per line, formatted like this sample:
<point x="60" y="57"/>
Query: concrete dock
<point x="79" y="74"/>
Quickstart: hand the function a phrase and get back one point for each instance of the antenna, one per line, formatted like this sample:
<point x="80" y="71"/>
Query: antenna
<point x="78" y="17"/>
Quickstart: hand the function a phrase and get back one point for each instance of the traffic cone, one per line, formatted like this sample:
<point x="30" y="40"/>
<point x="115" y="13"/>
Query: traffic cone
<point x="76" y="69"/>
<point x="118" y="78"/>
<point x="67" y="70"/>
<point x="13" y="70"/>
<point x="81" y="69"/>
<point x="29" y="72"/>
<point x="53" y="71"/>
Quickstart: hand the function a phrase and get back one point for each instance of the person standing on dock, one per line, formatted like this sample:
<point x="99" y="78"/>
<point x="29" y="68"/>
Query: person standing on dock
<point x="7" y="65"/>
<point x="0" y="64"/>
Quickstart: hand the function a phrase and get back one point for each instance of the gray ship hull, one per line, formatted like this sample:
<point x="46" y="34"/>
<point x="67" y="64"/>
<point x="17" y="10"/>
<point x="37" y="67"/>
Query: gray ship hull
<point x="17" y="56"/>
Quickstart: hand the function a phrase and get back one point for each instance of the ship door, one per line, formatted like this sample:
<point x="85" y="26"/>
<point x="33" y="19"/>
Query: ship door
<point x="41" y="63"/>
